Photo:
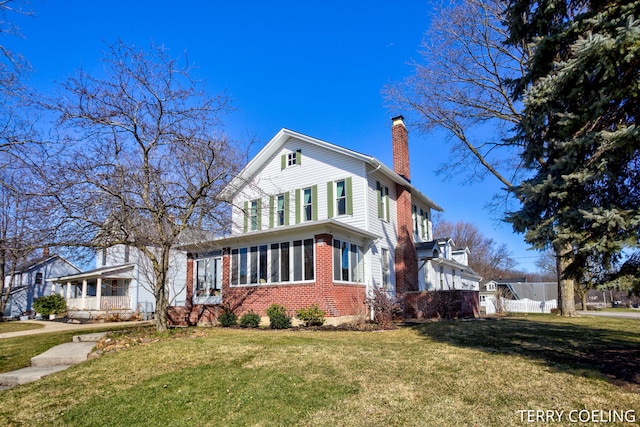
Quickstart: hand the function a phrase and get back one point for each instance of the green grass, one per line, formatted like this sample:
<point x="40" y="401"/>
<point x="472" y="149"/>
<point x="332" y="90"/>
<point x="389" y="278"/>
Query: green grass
<point x="16" y="353"/>
<point x="475" y="373"/>
<point x="18" y="326"/>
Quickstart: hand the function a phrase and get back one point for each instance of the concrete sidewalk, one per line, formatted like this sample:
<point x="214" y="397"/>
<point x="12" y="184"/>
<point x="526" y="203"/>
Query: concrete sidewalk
<point x="50" y="326"/>
<point x="54" y="360"/>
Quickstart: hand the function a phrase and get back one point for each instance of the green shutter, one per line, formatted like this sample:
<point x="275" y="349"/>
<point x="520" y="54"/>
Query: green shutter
<point x="259" y="213"/>
<point x="330" y="199"/>
<point x="349" y="197"/>
<point x="379" y="196"/>
<point x="298" y="205"/>
<point x="246" y="216"/>
<point x="286" y="208"/>
<point x="314" y="201"/>
<point x="271" y="211"/>
<point x="298" y="157"/>
<point x="283" y="161"/>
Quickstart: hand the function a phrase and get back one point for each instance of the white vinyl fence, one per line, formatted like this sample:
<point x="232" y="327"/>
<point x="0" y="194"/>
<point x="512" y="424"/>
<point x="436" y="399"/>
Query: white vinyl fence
<point x="522" y="306"/>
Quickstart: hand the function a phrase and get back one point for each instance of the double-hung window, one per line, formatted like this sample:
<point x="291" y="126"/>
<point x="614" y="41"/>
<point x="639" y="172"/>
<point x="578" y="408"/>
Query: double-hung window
<point x="382" y="191"/>
<point x="280" y="210"/>
<point x="252" y="215"/>
<point x="385" y="269"/>
<point x="307" y="204"/>
<point x="341" y="198"/>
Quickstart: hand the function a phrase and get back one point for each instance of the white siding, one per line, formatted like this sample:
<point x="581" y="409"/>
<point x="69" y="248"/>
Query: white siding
<point x="319" y="166"/>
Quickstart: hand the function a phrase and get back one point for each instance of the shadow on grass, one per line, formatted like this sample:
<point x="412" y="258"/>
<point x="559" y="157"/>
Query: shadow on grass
<point x="578" y="346"/>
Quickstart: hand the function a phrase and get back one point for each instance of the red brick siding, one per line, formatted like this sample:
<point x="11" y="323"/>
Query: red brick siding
<point x="421" y="304"/>
<point x="406" y="259"/>
<point x="334" y="299"/>
<point x="400" y="146"/>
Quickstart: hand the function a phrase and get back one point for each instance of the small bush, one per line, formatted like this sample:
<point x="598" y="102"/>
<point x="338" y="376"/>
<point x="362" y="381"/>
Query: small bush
<point x="227" y="318"/>
<point x="311" y="316"/>
<point x="385" y="308"/>
<point x="50" y="304"/>
<point x="278" y="317"/>
<point x="250" y="320"/>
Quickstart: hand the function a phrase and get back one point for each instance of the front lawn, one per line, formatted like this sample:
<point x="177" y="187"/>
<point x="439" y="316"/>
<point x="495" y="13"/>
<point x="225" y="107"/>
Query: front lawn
<point x="459" y="373"/>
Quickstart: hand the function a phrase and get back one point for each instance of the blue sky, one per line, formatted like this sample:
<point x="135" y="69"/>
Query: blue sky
<point x="314" y="67"/>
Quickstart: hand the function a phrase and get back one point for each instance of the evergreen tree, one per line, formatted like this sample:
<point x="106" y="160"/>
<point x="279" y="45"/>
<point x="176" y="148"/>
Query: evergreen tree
<point x="579" y="127"/>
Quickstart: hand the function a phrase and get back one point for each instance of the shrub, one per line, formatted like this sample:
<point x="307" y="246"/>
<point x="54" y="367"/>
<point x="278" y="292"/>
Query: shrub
<point x="278" y="317"/>
<point x="50" y="304"/>
<point x="227" y="318"/>
<point x="311" y="316"/>
<point x="250" y="320"/>
<point x="385" y="308"/>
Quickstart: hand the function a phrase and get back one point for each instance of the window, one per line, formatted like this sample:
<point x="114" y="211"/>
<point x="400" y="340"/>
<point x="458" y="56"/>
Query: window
<point x="341" y="198"/>
<point x="423" y="222"/>
<point x="208" y="277"/>
<point x="385" y="269"/>
<point x="348" y="265"/>
<point x="383" y="201"/>
<point x="280" y="210"/>
<point x="126" y="253"/>
<point x="307" y="205"/>
<point x="38" y="278"/>
<point x="415" y="219"/>
<point x="272" y="263"/>
<point x="253" y="214"/>
<point x="291" y="159"/>
<point x="441" y="277"/>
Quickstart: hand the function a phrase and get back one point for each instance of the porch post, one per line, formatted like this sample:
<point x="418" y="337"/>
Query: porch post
<point x="84" y="293"/>
<point x="68" y="290"/>
<point x="98" y="292"/>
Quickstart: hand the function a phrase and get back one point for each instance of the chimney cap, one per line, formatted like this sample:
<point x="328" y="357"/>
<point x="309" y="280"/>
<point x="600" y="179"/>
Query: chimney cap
<point x="398" y="120"/>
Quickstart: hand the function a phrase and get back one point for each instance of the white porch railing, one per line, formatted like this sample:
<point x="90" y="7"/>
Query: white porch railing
<point x="106" y="303"/>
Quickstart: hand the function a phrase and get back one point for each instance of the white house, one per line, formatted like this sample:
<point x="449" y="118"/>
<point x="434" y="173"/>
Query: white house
<point x="317" y="223"/>
<point x="30" y="282"/>
<point x="122" y="283"/>
<point x="518" y="295"/>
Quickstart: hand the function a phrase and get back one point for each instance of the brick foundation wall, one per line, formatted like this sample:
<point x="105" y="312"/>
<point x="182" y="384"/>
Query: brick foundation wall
<point x="454" y="304"/>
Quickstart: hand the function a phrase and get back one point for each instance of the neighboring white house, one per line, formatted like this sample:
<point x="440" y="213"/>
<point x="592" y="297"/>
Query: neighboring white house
<point x="30" y="282"/>
<point x="317" y="223"/>
<point x="122" y="283"/>
<point x="517" y="295"/>
<point x="445" y="267"/>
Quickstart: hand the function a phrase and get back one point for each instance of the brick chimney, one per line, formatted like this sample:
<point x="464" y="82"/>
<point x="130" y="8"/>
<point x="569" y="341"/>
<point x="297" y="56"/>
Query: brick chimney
<point x="45" y="252"/>
<point x="406" y="261"/>
<point x="400" y="142"/>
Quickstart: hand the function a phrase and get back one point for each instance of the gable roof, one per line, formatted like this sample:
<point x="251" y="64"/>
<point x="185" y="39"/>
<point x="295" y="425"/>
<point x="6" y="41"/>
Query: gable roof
<point x="30" y="265"/>
<point x="273" y="147"/>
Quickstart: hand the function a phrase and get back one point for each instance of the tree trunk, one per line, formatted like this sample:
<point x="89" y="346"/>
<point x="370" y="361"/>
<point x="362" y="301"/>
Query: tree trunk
<point x="566" y="291"/>
<point x="162" y="299"/>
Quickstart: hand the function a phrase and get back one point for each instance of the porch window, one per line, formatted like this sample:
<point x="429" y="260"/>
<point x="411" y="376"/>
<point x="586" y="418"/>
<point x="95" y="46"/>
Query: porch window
<point x="348" y="263"/>
<point x="273" y="263"/>
<point x="115" y="287"/>
<point x="209" y="277"/>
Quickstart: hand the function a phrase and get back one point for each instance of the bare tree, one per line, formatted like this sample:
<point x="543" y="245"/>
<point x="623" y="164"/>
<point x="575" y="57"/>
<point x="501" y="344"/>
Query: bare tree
<point x="462" y="85"/>
<point x="488" y="258"/>
<point x="23" y="219"/>
<point x="146" y="159"/>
